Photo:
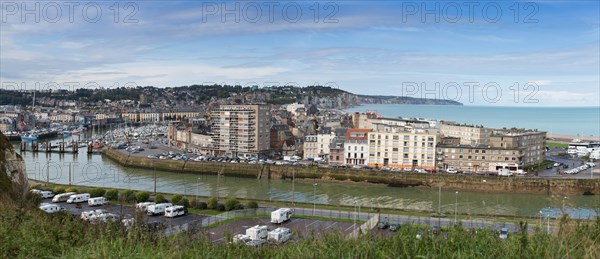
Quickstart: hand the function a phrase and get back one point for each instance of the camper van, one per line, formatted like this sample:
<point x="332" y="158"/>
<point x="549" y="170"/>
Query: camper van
<point x="257" y="232"/>
<point x="62" y="197"/>
<point x="50" y="208"/>
<point x="157" y="209"/>
<point x="86" y="215"/>
<point x="281" y="215"/>
<point x="46" y="194"/>
<point x="504" y="172"/>
<point x="143" y="205"/>
<point x="175" y="211"/>
<point x="279" y="235"/>
<point x="77" y="198"/>
<point x="97" y="201"/>
<point x="241" y="238"/>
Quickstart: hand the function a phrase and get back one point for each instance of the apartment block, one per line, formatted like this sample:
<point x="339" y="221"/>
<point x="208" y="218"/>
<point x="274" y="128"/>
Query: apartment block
<point x="241" y="129"/>
<point x="310" y="147"/>
<point x="512" y="150"/>
<point x="468" y="134"/>
<point x="402" y="147"/>
<point x="356" y="146"/>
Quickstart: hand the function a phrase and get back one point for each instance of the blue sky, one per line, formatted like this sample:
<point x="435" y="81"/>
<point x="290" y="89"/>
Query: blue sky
<point x="546" y="55"/>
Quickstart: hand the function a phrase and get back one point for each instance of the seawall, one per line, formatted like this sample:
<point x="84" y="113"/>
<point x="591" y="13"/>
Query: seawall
<point x="394" y="179"/>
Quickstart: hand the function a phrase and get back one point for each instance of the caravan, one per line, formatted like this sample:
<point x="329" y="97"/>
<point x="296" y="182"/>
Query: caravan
<point x="175" y="211"/>
<point x="257" y="232"/>
<point x="157" y="209"/>
<point x="97" y="201"/>
<point x="281" y="215"/>
<point x="279" y="235"/>
<point x="50" y="208"/>
<point x="77" y="198"/>
<point x="62" y="197"/>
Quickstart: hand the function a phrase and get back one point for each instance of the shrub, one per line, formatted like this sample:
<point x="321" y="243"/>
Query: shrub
<point x="58" y="189"/>
<point x="232" y="204"/>
<point x="251" y="205"/>
<point x="176" y="198"/>
<point x="127" y="195"/>
<point x="71" y="189"/>
<point x="142" y="196"/>
<point x="184" y="202"/>
<point x="160" y="198"/>
<point x="200" y="205"/>
<point x="112" y="194"/>
<point x="97" y="192"/>
<point x="212" y="203"/>
<point x="220" y="207"/>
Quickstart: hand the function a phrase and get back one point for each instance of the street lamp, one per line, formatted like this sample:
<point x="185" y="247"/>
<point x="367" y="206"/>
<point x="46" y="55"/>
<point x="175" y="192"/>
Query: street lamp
<point x="540" y="219"/>
<point x="197" y="184"/>
<point x="563" y="205"/>
<point x="455" y="207"/>
<point x="355" y="204"/>
<point x="314" y="197"/>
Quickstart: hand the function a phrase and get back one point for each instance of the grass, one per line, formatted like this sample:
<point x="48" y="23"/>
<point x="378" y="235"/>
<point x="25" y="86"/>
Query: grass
<point x="552" y="145"/>
<point x="328" y="219"/>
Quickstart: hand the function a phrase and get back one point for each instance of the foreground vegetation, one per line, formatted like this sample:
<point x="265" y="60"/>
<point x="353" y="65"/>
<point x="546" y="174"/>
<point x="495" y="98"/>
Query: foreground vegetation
<point x="26" y="232"/>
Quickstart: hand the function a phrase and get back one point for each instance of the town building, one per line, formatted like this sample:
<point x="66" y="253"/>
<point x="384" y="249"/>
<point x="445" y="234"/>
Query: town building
<point x="310" y="147"/>
<point x="468" y="134"/>
<point x="241" y="130"/>
<point x="402" y="147"/>
<point x="509" y="149"/>
<point x="336" y="152"/>
<point x="356" y="146"/>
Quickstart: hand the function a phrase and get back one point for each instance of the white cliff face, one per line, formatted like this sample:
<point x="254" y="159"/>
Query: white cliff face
<point x="12" y="169"/>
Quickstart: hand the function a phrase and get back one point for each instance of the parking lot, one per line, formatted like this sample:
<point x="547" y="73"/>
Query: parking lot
<point x="128" y="211"/>
<point x="300" y="227"/>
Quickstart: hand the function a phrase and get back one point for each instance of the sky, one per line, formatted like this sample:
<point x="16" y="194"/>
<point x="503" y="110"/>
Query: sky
<point x="508" y="53"/>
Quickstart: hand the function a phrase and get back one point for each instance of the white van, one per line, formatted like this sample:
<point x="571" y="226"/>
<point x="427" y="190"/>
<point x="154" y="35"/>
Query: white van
<point x="77" y="198"/>
<point x="51" y="208"/>
<point x="257" y="232"/>
<point x="279" y="235"/>
<point x="157" y="209"/>
<point x="175" y="211"/>
<point x="97" y="201"/>
<point x="62" y="197"/>
<point x="86" y="215"/>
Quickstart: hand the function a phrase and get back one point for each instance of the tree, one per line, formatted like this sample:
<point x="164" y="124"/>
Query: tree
<point x="199" y="205"/>
<point x="232" y="204"/>
<point x="128" y="195"/>
<point x="160" y="198"/>
<point x="251" y="205"/>
<point x="71" y="189"/>
<point x="220" y="207"/>
<point x="176" y="198"/>
<point x="142" y="196"/>
<point x="58" y="189"/>
<point x="184" y="202"/>
<point x="97" y="192"/>
<point x="212" y="203"/>
<point x="112" y="194"/>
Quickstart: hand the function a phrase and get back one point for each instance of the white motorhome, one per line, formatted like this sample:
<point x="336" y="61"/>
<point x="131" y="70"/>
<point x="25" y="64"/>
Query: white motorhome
<point x="241" y="238"/>
<point x="46" y="194"/>
<point x="257" y="232"/>
<point x="97" y="201"/>
<point x="175" y="211"/>
<point x="62" y="197"/>
<point x="279" y="235"/>
<point x="143" y="205"/>
<point x="157" y="209"/>
<point x="50" y="208"/>
<point x="86" y="215"/>
<point x="77" y="198"/>
<point x="281" y="215"/>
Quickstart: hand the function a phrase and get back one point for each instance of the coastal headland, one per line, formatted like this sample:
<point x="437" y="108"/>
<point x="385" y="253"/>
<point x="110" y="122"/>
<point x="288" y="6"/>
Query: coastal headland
<point x="352" y="176"/>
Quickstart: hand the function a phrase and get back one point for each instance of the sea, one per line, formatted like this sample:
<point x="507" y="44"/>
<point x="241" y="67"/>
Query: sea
<point x="576" y="121"/>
